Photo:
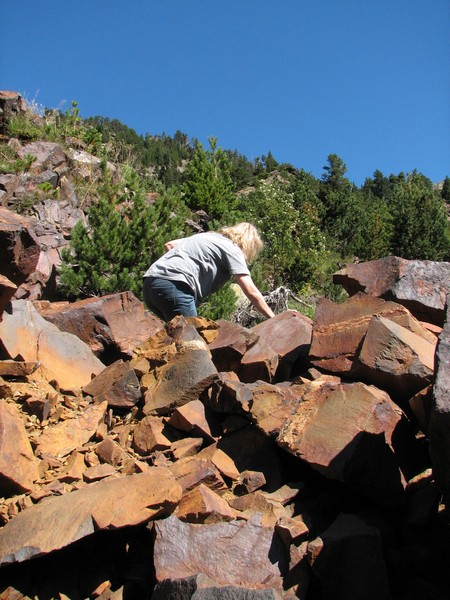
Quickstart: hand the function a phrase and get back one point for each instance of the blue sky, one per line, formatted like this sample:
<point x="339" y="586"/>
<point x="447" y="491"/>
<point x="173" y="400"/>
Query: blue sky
<point x="365" y="79"/>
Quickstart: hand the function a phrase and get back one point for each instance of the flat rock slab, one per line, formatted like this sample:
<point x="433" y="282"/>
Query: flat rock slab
<point x="61" y="520"/>
<point x="420" y="285"/>
<point x="235" y="553"/>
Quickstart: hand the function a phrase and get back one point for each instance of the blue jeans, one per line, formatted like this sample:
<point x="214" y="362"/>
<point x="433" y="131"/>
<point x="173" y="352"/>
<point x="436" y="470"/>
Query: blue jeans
<point x="168" y="298"/>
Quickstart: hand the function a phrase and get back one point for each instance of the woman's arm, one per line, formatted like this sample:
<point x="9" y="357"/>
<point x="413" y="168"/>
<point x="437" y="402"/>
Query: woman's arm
<point x="245" y="282"/>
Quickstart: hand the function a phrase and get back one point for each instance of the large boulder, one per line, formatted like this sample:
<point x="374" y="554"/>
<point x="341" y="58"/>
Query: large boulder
<point x="346" y="432"/>
<point x="68" y="360"/>
<point x="439" y="426"/>
<point x="109" y="504"/>
<point x="117" y="322"/>
<point x="339" y="329"/>
<point x="420" y="285"/>
<point x="235" y="553"/>
<point x="19" y="249"/>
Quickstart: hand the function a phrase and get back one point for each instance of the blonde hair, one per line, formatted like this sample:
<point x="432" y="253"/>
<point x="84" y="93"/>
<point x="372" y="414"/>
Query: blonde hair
<point x="246" y="236"/>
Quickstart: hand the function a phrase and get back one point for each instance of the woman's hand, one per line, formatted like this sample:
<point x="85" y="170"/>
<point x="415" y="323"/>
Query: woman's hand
<point x="245" y="282"/>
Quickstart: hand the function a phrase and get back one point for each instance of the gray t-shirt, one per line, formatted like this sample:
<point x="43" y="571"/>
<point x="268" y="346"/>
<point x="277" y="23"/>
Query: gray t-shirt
<point x="204" y="261"/>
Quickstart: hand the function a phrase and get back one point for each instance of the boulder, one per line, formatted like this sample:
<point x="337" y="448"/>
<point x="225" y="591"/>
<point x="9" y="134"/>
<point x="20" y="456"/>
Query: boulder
<point x="114" y="322"/>
<point x="201" y="587"/>
<point x="19" y="249"/>
<point x="117" y="384"/>
<point x="149" y="436"/>
<point x="11" y="104"/>
<point x="68" y="360"/>
<point x="346" y="432"/>
<point x="235" y="553"/>
<point x="189" y="373"/>
<point x="420" y="285"/>
<point x="110" y="504"/>
<point x="339" y="329"/>
<point x="230" y="345"/>
<point x="283" y="340"/>
<point x="439" y="425"/>
<point x="18" y="465"/>
<point x="395" y="359"/>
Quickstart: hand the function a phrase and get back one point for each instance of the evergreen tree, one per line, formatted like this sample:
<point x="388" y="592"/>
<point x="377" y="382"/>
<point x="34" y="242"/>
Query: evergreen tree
<point x="209" y="185"/>
<point x="421" y="229"/>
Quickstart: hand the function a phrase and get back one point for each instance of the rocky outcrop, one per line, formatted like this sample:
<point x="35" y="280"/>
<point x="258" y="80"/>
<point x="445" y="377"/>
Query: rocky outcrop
<point x="420" y="285"/>
<point x="310" y="483"/>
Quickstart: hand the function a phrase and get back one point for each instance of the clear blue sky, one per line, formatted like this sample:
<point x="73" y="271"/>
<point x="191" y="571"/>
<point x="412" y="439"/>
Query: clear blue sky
<point x="365" y="79"/>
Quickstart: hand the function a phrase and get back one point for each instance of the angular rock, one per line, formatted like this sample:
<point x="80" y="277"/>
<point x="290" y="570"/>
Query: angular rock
<point x="18" y="465"/>
<point x="230" y="345"/>
<point x="110" y="452"/>
<point x="340" y="328"/>
<point x="64" y="437"/>
<point x="37" y="406"/>
<point x="11" y="104"/>
<point x="395" y="359"/>
<point x="97" y="472"/>
<point x="271" y="405"/>
<point x="345" y="431"/>
<point x="7" y="291"/>
<point x="189" y="373"/>
<point x="193" y="419"/>
<point x="221" y="460"/>
<point x="17" y="368"/>
<point x="68" y="360"/>
<point x="19" y="250"/>
<point x="109" y="504"/>
<point x="117" y="385"/>
<point x="75" y="468"/>
<point x="148" y="436"/>
<point x="48" y="155"/>
<point x="186" y="447"/>
<point x="117" y="321"/>
<point x="269" y="511"/>
<point x="420" y="285"/>
<point x="202" y="505"/>
<point x="348" y="557"/>
<point x="190" y="472"/>
<point x="439" y="427"/>
<point x="236" y="553"/>
<point x="283" y="340"/>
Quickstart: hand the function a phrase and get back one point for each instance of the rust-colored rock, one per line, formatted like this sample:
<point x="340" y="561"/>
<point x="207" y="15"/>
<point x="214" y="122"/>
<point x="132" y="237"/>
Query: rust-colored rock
<point x="345" y="431"/>
<point x="395" y="359"/>
<point x="64" y="437"/>
<point x="283" y="340"/>
<point x="109" y="504"/>
<point x="68" y="360"/>
<point x="117" y="385"/>
<point x="230" y="345"/>
<point x="439" y="427"/>
<point x="202" y="505"/>
<point x="149" y="435"/>
<point x="420" y="285"/>
<point x="194" y="419"/>
<point x="340" y="328"/>
<point x="234" y="553"/>
<point x="18" y="465"/>
<point x="117" y="321"/>
<point x="7" y="291"/>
